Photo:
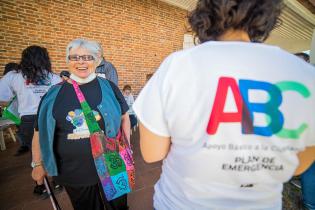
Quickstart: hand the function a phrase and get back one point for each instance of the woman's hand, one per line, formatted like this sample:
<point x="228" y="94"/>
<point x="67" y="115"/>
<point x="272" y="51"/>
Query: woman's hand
<point x="38" y="173"/>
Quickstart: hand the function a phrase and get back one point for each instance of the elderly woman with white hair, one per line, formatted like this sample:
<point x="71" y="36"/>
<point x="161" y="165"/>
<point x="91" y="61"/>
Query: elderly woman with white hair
<point x="61" y="145"/>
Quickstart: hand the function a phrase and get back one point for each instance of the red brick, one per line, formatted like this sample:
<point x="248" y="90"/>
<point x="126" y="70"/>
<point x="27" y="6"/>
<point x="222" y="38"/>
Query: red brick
<point x="136" y="34"/>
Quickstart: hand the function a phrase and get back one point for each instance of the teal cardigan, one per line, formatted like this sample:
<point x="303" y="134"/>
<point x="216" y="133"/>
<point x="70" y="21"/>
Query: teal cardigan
<point x="109" y="109"/>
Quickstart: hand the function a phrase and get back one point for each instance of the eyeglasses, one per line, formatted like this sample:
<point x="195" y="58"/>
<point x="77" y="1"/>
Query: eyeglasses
<point x="83" y="57"/>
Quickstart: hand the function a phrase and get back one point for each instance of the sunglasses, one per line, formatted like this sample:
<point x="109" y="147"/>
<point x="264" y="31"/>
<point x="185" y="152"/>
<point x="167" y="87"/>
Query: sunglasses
<point x="78" y="57"/>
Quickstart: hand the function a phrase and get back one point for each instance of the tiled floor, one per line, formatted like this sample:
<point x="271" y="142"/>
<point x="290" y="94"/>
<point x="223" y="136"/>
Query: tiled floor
<point x="17" y="186"/>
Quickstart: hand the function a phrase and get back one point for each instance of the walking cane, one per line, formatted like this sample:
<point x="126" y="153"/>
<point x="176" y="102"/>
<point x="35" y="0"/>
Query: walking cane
<point x="51" y="194"/>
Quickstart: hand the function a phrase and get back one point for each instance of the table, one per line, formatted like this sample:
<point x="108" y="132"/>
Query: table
<point x="5" y="124"/>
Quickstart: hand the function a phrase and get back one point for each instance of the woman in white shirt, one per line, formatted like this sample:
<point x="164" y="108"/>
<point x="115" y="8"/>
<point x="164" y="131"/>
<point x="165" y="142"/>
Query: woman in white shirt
<point x="29" y="82"/>
<point x="232" y="119"/>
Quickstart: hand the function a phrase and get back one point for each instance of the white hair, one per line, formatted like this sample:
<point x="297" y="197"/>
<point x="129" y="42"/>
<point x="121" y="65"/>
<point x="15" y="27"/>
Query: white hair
<point x="86" y="44"/>
<point x="99" y="49"/>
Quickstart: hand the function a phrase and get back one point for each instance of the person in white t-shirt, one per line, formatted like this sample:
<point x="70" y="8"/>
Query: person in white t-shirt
<point x="28" y="83"/>
<point x="232" y="119"/>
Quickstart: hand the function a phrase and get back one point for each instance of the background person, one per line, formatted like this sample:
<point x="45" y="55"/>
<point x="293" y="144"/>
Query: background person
<point x="70" y="161"/>
<point x="28" y="83"/>
<point x="105" y="68"/>
<point x="127" y="92"/>
<point x="220" y="150"/>
<point x="13" y="108"/>
<point x="7" y="68"/>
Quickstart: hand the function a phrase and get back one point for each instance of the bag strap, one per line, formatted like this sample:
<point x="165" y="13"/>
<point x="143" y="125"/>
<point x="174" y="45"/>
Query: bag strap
<point x="10" y="102"/>
<point x="87" y="111"/>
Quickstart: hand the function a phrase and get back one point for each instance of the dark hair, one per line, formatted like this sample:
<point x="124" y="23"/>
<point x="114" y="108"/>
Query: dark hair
<point x="305" y="56"/>
<point x="35" y="64"/>
<point x="212" y="18"/>
<point x="10" y="67"/>
<point x="64" y="74"/>
<point x="127" y="87"/>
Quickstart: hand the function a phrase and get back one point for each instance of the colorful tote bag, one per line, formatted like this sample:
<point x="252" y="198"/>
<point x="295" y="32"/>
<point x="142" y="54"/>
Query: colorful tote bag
<point x="112" y="156"/>
<point x="11" y="112"/>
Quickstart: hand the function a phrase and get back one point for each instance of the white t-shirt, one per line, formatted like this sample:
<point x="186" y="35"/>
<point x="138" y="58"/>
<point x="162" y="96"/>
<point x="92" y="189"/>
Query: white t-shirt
<point x="237" y="114"/>
<point x="28" y="95"/>
<point x="130" y="100"/>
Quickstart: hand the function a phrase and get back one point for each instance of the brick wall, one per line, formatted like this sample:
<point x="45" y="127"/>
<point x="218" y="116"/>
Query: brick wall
<point x="136" y="34"/>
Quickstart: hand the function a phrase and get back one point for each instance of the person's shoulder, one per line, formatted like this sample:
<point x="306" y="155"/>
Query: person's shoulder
<point x="53" y="75"/>
<point x="51" y="93"/>
<point x="13" y="78"/>
<point x="180" y="55"/>
<point x="53" y="90"/>
<point x="108" y="65"/>
<point x="108" y="83"/>
<point x="102" y="79"/>
<point x="112" y="84"/>
<point x="296" y="62"/>
<point x="57" y="86"/>
<point x="310" y="70"/>
<point x="12" y="74"/>
<point x="105" y="81"/>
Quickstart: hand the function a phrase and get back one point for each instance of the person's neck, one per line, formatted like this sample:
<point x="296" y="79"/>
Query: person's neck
<point x="235" y="35"/>
<point x="83" y="80"/>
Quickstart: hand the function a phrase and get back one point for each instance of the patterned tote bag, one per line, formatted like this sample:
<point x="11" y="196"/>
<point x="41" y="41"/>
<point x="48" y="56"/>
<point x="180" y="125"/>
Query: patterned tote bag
<point x="112" y="156"/>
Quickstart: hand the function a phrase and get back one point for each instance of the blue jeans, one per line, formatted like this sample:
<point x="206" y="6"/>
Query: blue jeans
<point x="308" y="187"/>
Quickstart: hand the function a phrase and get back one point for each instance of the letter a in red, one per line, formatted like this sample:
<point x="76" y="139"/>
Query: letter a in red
<point x="217" y="114"/>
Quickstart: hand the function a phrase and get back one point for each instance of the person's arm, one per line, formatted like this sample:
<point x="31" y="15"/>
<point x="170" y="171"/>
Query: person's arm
<point x="38" y="172"/>
<point x="125" y="121"/>
<point x="306" y="158"/>
<point x="125" y="125"/>
<point x="153" y="147"/>
<point x="150" y="108"/>
<point x="6" y="89"/>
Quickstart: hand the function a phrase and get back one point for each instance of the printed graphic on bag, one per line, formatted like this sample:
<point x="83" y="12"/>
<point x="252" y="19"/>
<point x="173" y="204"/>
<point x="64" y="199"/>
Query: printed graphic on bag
<point x="109" y="188"/>
<point x="110" y="144"/>
<point x="97" y="147"/>
<point x="121" y="183"/>
<point x="114" y="163"/>
<point x="101" y="167"/>
<point x="127" y="159"/>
